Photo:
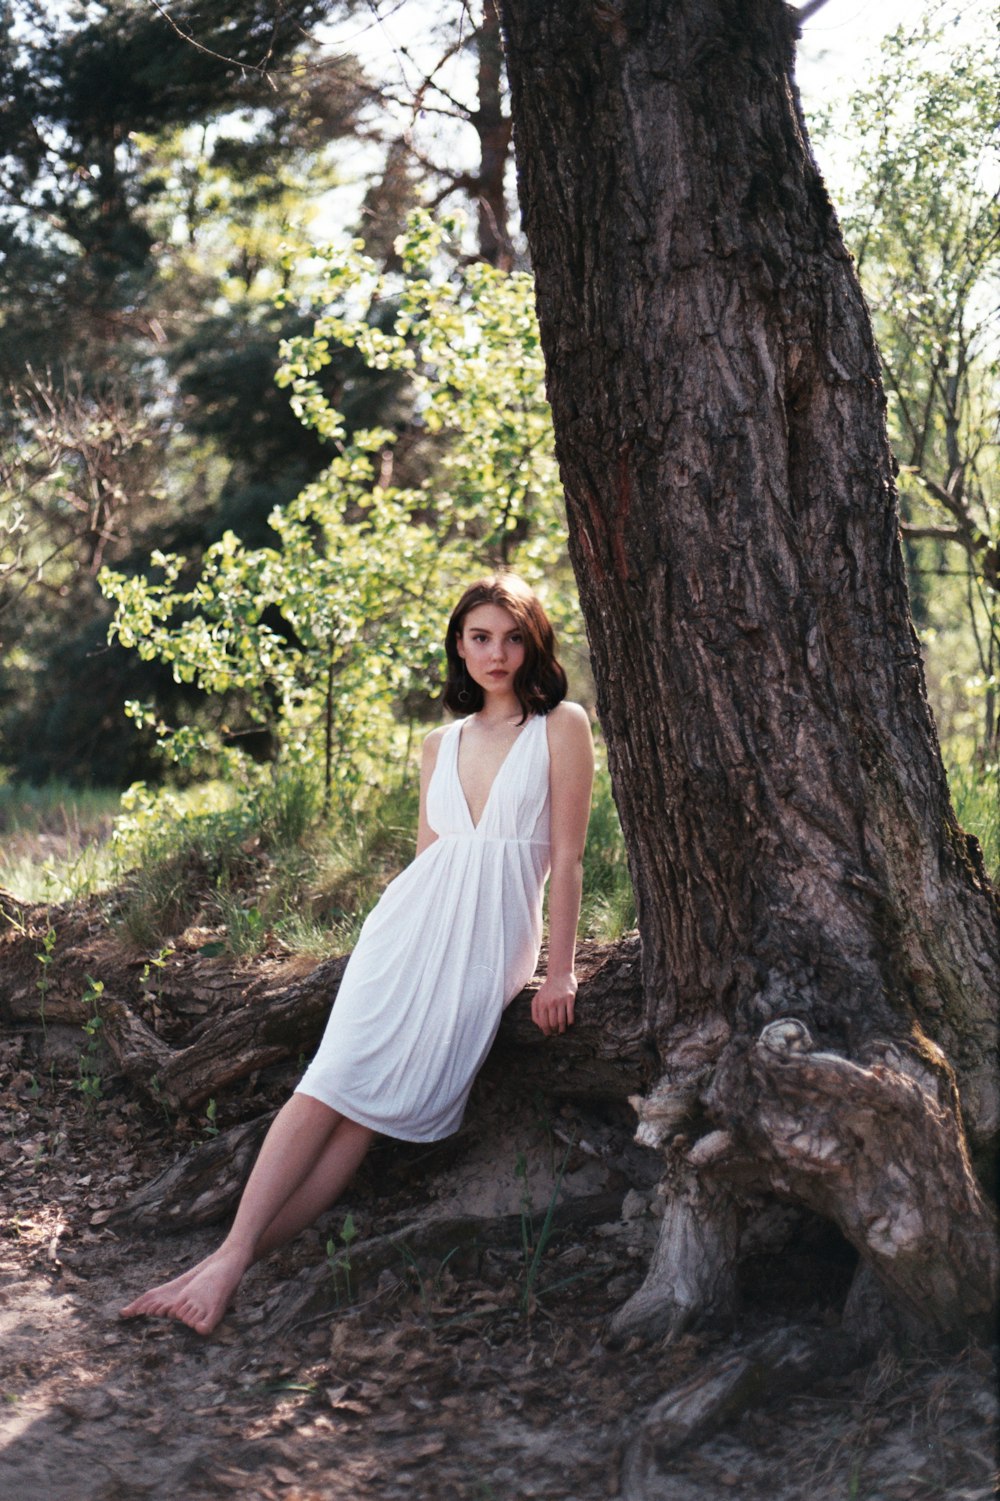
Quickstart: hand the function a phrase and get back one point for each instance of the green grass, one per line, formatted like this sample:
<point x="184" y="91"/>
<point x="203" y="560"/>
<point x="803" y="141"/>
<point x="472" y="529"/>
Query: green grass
<point x="274" y="869"/>
<point x="355" y="859"/>
<point x="975" y="793"/>
<point x="608" y="907"/>
<point x="55" y="808"/>
<point x="54" y="840"/>
<point x="279" y="871"/>
<point x="271" y="869"/>
<point x="177" y="870"/>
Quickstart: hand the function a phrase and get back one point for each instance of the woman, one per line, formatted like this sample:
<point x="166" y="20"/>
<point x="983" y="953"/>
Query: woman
<point x="504" y="798"/>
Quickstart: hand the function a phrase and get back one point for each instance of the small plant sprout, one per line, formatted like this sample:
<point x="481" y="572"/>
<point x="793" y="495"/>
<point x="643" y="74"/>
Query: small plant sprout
<point x="15" y="917"/>
<point x="159" y="1095"/>
<point x="533" y="1249"/>
<point x="89" y="1080"/>
<point x="340" y="1260"/>
<point x="42" y="984"/>
<point x="527" y="1227"/>
<point x="211" y="1111"/>
<point x="155" y="962"/>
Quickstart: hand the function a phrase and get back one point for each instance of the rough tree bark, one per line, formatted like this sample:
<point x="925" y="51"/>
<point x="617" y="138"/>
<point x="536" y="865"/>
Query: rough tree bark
<point x="820" y="939"/>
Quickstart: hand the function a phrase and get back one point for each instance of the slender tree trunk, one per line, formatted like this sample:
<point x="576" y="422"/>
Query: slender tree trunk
<point x="820" y="939"/>
<point x="492" y="126"/>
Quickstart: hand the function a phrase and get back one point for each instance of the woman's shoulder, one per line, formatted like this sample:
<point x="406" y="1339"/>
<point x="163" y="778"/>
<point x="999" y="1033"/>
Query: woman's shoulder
<point x="568" y="724"/>
<point x="435" y="736"/>
<point x="567" y="712"/>
<point x="432" y="742"/>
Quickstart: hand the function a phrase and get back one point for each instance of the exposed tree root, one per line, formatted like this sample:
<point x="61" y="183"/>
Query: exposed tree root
<point x="790" y="1360"/>
<point x="874" y="1145"/>
<point x="204" y="1186"/>
<point x="258" y="1016"/>
<point x="692" y="1271"/>
<point x="877" y="1146"/>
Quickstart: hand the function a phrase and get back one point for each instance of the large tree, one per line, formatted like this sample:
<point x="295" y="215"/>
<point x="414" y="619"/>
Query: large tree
<point x="821" y="944"/>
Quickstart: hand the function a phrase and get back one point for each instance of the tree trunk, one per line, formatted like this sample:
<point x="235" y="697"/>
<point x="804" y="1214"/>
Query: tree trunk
<point x="492" y="126"/>
<point x="820" y="939"/>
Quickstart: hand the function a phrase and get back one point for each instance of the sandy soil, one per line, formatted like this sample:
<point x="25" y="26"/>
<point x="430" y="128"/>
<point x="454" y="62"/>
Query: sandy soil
<point x="454" y="1376"/>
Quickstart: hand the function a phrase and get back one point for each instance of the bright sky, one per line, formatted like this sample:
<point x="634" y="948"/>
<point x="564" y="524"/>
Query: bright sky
<point x="842" y="38"/>
<point x="840" y="43"/>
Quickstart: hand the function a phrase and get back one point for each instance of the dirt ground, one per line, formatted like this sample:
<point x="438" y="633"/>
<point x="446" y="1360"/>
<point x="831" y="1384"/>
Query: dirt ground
<point x="457" y="1375"/>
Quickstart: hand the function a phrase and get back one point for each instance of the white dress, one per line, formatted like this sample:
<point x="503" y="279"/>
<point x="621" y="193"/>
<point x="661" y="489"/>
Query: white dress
<point x="452" y="940"/>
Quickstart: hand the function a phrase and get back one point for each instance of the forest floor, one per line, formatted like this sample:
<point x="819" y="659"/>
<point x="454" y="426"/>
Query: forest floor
<point x="457" y="1375"/>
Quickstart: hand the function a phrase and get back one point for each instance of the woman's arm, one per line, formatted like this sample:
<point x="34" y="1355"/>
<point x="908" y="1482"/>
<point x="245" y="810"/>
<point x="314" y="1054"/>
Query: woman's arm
<point x="428" y="761"/>
<point x="571" y="777"/>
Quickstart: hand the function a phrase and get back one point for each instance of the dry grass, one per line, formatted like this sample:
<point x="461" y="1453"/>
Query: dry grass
<point x="917" y="1429"/>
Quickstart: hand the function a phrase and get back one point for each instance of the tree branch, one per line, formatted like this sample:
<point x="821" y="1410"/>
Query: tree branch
<point x="809" y="9"/>
<point x="943" y="533"/>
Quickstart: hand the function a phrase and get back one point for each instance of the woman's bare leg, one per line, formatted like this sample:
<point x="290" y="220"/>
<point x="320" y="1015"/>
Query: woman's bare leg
<point x="293" y="1149"/>
<point x="342" y="1156"/>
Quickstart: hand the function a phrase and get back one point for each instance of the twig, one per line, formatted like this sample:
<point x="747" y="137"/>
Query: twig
<point x="232" y="62"/>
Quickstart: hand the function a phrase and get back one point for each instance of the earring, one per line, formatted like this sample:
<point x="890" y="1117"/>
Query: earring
<point x="464" y="695"/>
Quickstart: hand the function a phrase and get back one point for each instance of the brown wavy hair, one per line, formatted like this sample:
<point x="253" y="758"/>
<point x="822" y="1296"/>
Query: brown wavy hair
<point x="540" y="682"/>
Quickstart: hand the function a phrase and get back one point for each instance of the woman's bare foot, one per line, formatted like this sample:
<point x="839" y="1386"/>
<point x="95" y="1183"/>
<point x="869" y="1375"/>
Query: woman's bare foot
<point x="157" y="1297"/>
<point x="198" y="1298"/>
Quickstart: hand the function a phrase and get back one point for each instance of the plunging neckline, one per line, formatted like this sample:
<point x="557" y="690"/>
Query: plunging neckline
<point x="477" y="825"/>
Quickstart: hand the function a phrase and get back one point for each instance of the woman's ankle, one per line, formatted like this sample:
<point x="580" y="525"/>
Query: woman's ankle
<point x="236" y="1248"/>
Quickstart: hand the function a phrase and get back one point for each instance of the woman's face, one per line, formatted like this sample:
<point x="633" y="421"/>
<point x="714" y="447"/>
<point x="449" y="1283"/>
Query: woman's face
<point x="491" y="644"/>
